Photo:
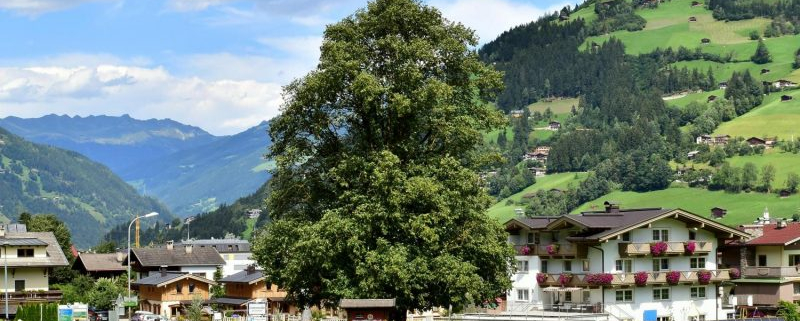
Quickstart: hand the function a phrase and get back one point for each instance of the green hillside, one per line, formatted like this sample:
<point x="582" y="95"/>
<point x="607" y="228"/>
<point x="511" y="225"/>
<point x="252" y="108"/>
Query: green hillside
<point x="86" y="195"/>
<point x="783" y="162"/>
<point x="504" y="211"/>
<point x="742" y="208"/>
<point x="772" y="118"/>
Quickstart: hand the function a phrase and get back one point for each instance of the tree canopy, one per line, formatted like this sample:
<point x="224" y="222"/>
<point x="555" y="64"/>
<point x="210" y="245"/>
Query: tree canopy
<point x="375" y="193"/>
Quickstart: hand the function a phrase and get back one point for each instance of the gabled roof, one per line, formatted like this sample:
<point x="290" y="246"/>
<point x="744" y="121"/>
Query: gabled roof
<point x="244" y="277"/>
<point x="222" y="245"/>
<point x="55" y="256"/>
<point x="164" y="279"/>
<point x="778" y="236"/>
<point x="99" y="262"/>
<point x="533" y="223"/>
<point x="162" y="256"/>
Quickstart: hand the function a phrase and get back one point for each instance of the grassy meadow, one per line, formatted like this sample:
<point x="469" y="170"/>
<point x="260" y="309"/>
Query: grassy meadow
<point x="503" y="212"/>
<point x="772" y="118"/>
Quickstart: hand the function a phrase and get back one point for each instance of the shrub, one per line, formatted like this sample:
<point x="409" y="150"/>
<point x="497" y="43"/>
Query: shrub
<point x="552" y="249"/>
<point x="658" y="248"/>
<point x="703" y="277"/>
<point x="541" y="278"/>
<point x="690" y="247"/>
<point x="673" y="277"/>
<point x="564" y="279"/>
<point x="735" y="273"/>
<point x="599" y="279"/>
<point x="640" y="278"/>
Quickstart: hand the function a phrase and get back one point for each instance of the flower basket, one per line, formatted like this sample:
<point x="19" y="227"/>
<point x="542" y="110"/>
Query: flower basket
<point x="541" y="278"/>
<point x="525" y="250"/>
<point x="703" y="277"/>
<point x="552" y="249"/>
<point x="564" y="279"/>
<point x="690" y="247"/>
<point x="640" y="278"/>
<point x="673" y="277"/>
<point x="599" y="279"/>
<point x="735" y="273"/>
<point x="658" y="248"/>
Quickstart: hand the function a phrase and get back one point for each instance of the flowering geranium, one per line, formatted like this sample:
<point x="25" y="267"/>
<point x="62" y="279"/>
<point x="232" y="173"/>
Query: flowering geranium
<point x="599" y="279"/>
<point x="525" y="250"/>
<point x="735" y="273"/>
<point x="703" y="277"/>
<point x="552" y="249"/>
<point x="690" y="247"/>
<point x="640" y="278"/>
<point x="658" y="248"/>
<point x="564" y="279"/>
<point x="673" y="277"/>
<point x="541" y="278"/>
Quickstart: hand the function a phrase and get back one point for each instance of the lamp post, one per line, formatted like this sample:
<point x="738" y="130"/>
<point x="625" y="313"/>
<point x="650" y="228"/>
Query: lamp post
<point x="129" y="247"/>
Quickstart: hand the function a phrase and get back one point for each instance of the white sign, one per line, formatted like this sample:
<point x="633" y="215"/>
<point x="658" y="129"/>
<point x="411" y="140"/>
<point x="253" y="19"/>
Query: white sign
<point x="257" y="308"/>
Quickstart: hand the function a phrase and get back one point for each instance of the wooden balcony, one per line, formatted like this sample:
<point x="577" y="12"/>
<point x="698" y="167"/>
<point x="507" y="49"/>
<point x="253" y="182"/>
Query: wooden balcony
<point x="628" y="279"/>
<point x="770" y="272"/>
<point x="566" y="250"/>
<point x="673" y="248"/>
<point x="33" y="296"/>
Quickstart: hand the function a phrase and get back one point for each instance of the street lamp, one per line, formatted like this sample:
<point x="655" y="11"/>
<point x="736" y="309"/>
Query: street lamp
<point x="129" y="247"/>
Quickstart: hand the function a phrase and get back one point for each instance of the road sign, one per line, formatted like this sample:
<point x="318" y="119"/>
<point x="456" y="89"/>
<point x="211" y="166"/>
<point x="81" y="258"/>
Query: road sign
<point x="257" y="308"/>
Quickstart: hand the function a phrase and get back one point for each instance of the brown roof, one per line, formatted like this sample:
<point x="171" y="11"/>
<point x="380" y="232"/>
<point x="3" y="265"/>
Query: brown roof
<point x="55" y="256"/>
<point x="99" y="262"/>
<point x="778" y="236"/>
<point x="162" y="279"/>
<point x="366" y="303"/>
<point x="157" y="257"/>
<point x="531" y="222"/>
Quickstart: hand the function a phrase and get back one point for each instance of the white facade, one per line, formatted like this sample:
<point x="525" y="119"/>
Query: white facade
<point x="236" y="262"/>
<point x="685" y="302"/>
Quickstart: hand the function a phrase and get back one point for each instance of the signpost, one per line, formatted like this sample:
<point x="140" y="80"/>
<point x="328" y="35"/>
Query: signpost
<point x="257" y="311"/>
<point x="64" y="313"/>
<point x="80" y="312"/>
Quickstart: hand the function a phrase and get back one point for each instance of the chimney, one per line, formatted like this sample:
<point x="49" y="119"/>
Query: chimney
<point x="120" y="256"/>
<point x="170" y="245"/>
<point x="163" y="270"/>
<point x="187" y="248"/>
<point x="611" y="207"/>
<point x="766" y="215"/>
<point x="251" y="269"/>
<point x="782" y="223"/>
<point x="2" y="230"/>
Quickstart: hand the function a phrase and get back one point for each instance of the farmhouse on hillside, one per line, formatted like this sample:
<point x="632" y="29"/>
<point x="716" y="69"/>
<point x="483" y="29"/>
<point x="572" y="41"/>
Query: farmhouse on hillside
<point x="554" y="125"/>
<point x="783" y="83"/>
<point x="718" y="212"/>
<point x="786" y="98"/>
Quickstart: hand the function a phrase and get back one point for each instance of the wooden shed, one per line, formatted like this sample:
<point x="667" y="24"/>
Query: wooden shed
<point x="368" y="309"/>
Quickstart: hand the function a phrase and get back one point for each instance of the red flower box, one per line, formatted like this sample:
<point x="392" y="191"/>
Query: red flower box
<point x="541" y="278"/>
<point x="690" y="247"/>
<point x="525" y="250"/>
<point x="599" y="279"/>
<point x="735" y="273"/>
<point x="552" y="249"/>
<point x="658" y="248"/>
<point x="640" y="278"/>
<point x="564" y="279"/>
<point x="673" y="277"/>
<point x="703" y="277"/>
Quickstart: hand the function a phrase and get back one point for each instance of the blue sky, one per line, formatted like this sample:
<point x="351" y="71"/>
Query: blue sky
<point x="217" y="64"/>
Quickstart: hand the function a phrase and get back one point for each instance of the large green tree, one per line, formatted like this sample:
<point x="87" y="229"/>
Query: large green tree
<point x="375" y="193"/>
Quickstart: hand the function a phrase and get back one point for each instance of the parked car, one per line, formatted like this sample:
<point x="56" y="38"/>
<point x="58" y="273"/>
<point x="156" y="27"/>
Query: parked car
<point x="140" y="315"/>
<point x="101" y="315"/>
<point x="151" y="317"/>
<point x="92" y="315"/>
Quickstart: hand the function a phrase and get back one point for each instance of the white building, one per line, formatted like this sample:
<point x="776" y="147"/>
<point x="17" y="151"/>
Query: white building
<point x="200" y="261"/>
<point x="235" y="252"/>
<point x="604" y="251"/>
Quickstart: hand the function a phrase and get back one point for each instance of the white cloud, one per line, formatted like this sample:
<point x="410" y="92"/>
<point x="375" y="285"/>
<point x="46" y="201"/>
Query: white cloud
<point x="219" y="106"/>
<point x="37" y="7"/>
<point x="490" y="18"/>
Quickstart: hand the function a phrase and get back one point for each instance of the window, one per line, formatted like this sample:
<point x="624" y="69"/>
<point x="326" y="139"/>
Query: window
<point x="661" y="264"/>
<point x="762" y="260"/>
<point x="692" y="235"/>
<point x="797" y="288"/>
<point x="522" y="266"/>
<point x="178" y="287"/>
<point x="24" y="252"/>
<point x="587" y="296"/>
<point x="697" y="292"/>
<point x="567" y="296"/>
<point x="544" y="266"/>
<point x="663" y="318"/>
<point x="567" y="266"/>
<point x="19" y="285"/>
<point x="555" y="237"/>
<point x="624" y="266"/>
<point x="522" y="295"/>
<point x="701" y="317"/>
<point x="586" y="265"/>
<point x="624" y="295"/>
<point x="661" y="235"/>
<point x="191" y="287"/>
<point x="530" y="238"/>
<point x="794" y="259"/>
<point x="661" y="294"/>
<point x="697" y="263"/>
<point x="626" y="237"/>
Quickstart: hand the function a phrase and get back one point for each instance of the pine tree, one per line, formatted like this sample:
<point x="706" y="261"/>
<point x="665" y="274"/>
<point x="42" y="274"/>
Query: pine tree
<point x="762" y="55"/>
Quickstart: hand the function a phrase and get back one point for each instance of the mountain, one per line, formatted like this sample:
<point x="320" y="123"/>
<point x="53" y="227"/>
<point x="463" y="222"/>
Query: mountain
<point x="201" y="178"/>
<point x="86" y="195"/>
<point x="117" y="142"/>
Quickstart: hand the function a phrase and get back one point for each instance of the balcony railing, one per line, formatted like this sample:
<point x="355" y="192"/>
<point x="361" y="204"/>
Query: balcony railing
<point x="566" y="250"/>
<point x="673" y="248"/>
<point x="33" y="296"/>
<point x="657" y="278"/>
<point x="770" y="272"/>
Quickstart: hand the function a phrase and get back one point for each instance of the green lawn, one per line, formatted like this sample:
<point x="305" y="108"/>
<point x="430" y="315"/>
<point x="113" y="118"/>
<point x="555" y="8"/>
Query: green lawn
<point x="503" y="212"/>
<point x="742" y="208"/>
<point x="783" y="162"/>
<point x="772" y="118"/>
<point x="492" y="135"/>
<point x="558" y="106"/>
<point x="699" y="97"/>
